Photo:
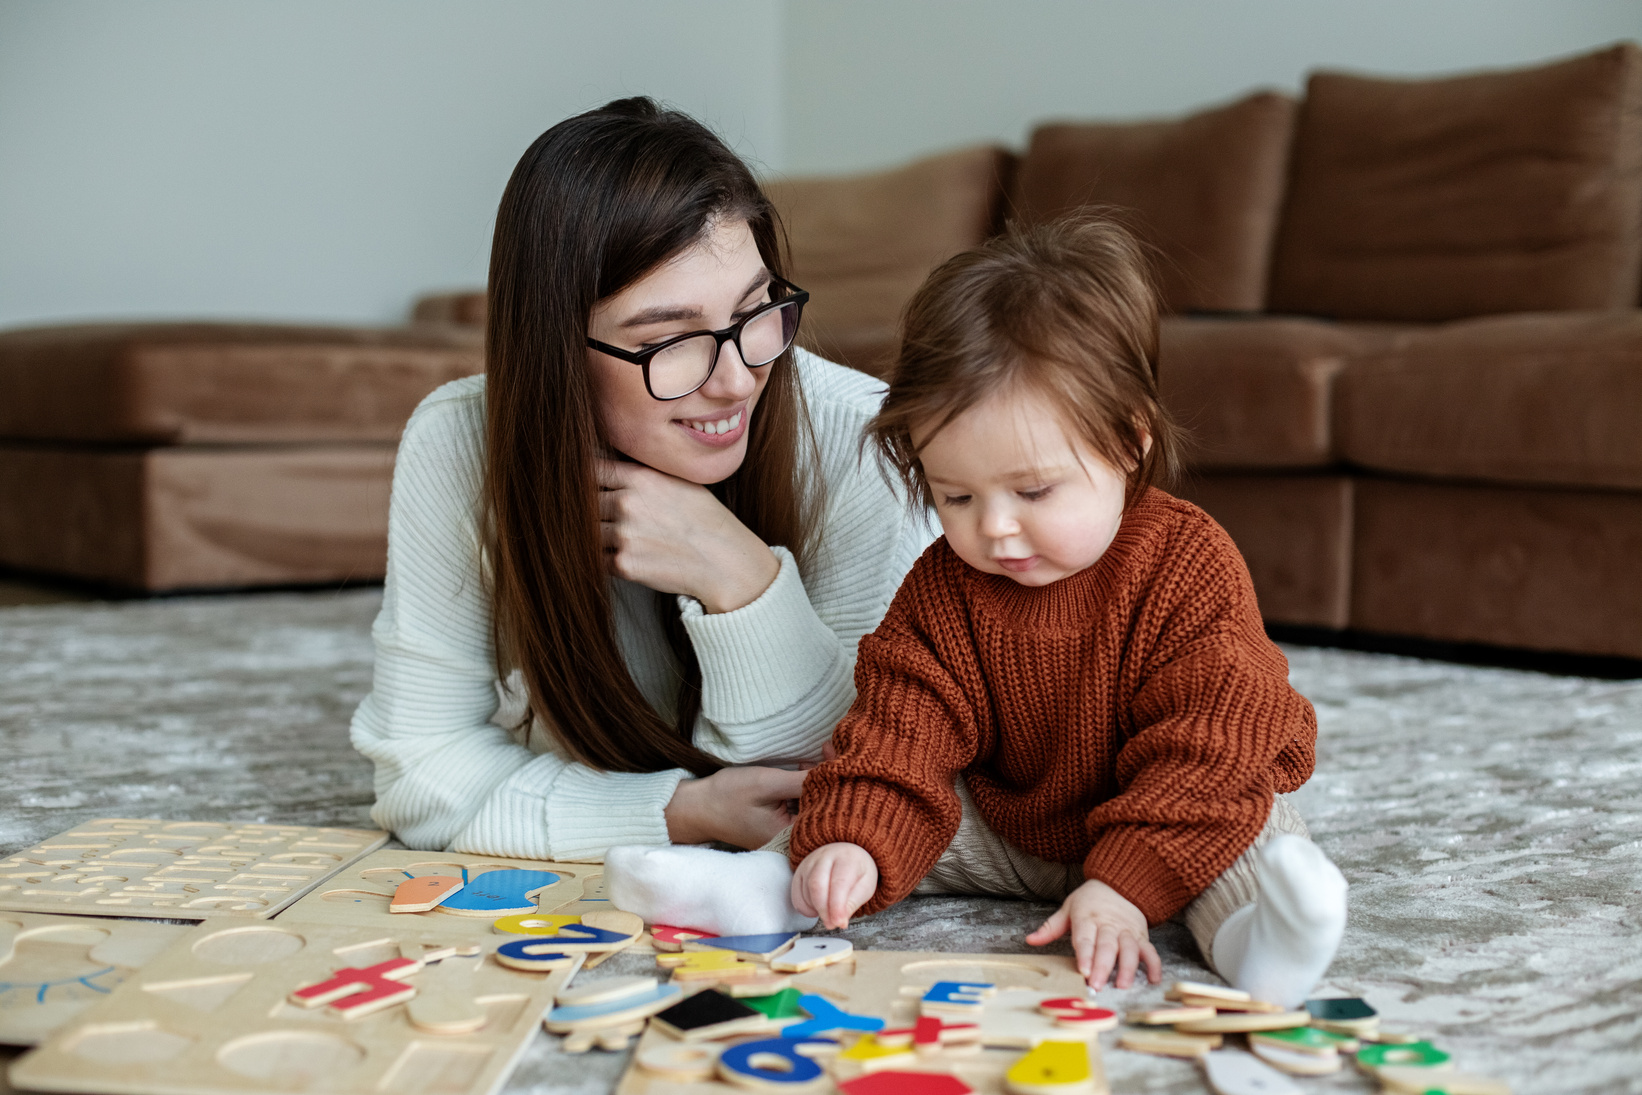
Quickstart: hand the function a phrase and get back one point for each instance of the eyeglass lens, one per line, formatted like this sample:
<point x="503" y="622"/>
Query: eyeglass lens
<point x="685" y="365"/>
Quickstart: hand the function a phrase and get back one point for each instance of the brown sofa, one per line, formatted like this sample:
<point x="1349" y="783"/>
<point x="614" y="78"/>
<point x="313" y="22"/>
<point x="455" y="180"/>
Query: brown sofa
<point x="159" y="457"/>
<point x="1404" y="330"/>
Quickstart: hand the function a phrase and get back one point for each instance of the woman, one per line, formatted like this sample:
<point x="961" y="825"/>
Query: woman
<point x="627" y="569"/>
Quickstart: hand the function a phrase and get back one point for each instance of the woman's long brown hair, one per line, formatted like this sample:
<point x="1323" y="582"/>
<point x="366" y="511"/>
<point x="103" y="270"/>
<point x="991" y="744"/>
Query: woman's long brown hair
<point x="597" y="202"/>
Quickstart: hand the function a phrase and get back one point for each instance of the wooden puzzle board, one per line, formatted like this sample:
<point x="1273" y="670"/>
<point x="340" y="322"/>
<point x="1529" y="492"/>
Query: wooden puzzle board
<point x="187" y="870"/>
<point x="360" y="895"/>
<point x="210" y="1017"/>
<point x="870" y="983"/>
<point x="54" y="967"/>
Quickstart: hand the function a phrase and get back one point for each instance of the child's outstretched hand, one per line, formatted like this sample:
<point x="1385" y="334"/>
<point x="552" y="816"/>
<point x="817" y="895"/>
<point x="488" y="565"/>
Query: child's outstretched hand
<point x="1108" y="935"/>
<point x="834" y="881"/>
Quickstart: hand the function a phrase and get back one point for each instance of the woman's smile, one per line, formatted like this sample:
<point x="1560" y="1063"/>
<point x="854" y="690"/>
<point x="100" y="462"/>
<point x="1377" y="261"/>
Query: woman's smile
<point x="719" y="428"/>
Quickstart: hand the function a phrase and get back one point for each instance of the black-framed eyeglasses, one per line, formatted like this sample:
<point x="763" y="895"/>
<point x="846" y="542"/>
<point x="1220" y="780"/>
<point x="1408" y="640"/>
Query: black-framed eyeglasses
<point x="677" y="367"/>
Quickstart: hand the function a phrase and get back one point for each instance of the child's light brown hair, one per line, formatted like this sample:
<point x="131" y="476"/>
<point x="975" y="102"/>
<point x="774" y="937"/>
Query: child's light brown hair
<point x="1068" y="309"/>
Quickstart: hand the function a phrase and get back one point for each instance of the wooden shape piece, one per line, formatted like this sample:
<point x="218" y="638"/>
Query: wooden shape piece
<point x="1233" y="1073"/>
<point x="666" y="937"/>
<point x="1228" y="1005"/>
<point x="763" y="985"/>
<point x="615" y="920"/>
<point x="1078" y="1014"/>
<point x="955" y="997"/>
<point x="534" y="955"/>
<point x="1164" y="1017"/>
<point x="532" y="923"/>
<point x="778" y="1006"/>
<point x="444" y="1003"/>
<point x="1294" y="1062"/>
<point x="775" y="1065"/>
<point x="567" y="933"/>
<point x="826" y="1016"/>
<point x="616" y="1039"/>
<point x="1413" y="1081"/>
<point x="612" y="1013"/>
<point x="708" y="1015"/>
<point x="711" y="966"/>
<point x="1345" y="1009"/>
<point x="890" y="1082"/>
<point x="499" y="893"/>
<point x="763" y="946"/>
<point x="868" y="1054"/>
<point x="808" y="954"/>
<point x="930" y="1034"/>
<point x="1205" y="990"/>
<point x="1168" y="1043"/>
<point x="680" y="1062"/>
<point x="598" y="992"/>
<point x="417" y="895"/>
<point x="1013" y="1018"/>
<point x="1053" y="1068"/>
<point x="1242" y="1022"/>
<point x="1320" y="1043"/>
<point x="1411" y="1054"/>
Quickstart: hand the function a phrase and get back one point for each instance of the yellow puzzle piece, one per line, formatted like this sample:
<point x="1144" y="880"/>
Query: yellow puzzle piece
<point x="1053" y="1068"/>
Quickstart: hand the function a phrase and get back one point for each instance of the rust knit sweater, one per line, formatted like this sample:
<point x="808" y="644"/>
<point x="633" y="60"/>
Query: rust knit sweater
<point x="1132" y="717"/>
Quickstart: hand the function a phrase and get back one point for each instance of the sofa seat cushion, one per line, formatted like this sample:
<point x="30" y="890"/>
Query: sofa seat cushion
<point x="1553" y="398"/>
<point x="181" y="517"/>
<point x="1475" y="195"/>
<point x="1206" y="190"/>
<point x="1258" y="393"/>
<point x="219" y="382"/>
<point x="861" y="244"/>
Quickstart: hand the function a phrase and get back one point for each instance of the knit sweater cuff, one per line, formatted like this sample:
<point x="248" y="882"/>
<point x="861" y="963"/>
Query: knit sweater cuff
<point x="764" y="657"/>
<point x="1125" y="862"/>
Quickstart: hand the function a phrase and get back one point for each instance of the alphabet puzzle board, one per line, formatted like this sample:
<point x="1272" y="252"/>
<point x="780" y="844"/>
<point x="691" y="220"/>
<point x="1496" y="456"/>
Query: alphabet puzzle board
<point x="871" y="983"/>
<point x="360" y="894"/>
<point x="54" y="967"/>
<point x="211" y="1017"/>
<point x="185" y="870"/>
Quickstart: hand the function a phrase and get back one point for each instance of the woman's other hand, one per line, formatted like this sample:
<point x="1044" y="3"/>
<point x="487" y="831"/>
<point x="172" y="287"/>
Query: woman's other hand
<point x="745" y="806"/>
<point x="674" y="536"/>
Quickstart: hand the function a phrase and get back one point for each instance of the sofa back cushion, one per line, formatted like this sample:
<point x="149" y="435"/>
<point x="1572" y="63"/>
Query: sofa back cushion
<point x="1466" y="196"/>
<point x="861" y="244"/>
<point x="1206" y="190"/>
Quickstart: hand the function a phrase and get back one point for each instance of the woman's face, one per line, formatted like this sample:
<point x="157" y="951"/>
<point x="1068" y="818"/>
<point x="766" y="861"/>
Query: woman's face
<point x="702" y="437"/>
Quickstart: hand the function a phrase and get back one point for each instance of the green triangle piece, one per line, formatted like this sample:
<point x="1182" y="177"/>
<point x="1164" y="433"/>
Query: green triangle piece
<point x="777" y="1005"/>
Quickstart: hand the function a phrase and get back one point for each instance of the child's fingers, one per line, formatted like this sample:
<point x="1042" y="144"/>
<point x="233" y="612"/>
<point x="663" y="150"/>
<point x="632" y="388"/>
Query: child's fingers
<point x="1051" y="929"/>
<point x="1105" y="957"/>
<point x="1085" y="937"/>
<point x="1154" y="964"/>
<point x="843" y="880"/>
<point x="814" y="890"/>
<point x="1128" y="957"/>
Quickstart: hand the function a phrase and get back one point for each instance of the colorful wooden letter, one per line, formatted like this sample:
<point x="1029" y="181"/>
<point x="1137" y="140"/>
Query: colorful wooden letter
<point x="773" y="1062"/>
<point x="356" y="992"/>
<point x="825" y="1015"/>
<point x="668" y="938"/>
<point x="710" y="966"/>
<point x="758" y="946"/>
<point x="957" y="996"/>
<point x="1052" y="1068"/>
<point x="809" y="954"/>
<point x="499" y="893"/>
<point x="930" y="1033"/>
<point x="1070" y="1011"/>
<point x="905" y="1083"/>
<point x="417" y="895"/>
<point x="532" y="954"/>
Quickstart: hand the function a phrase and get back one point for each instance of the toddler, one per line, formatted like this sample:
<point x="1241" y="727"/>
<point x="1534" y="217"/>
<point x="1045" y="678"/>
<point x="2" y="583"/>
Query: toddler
<point x="1072" y="697"/>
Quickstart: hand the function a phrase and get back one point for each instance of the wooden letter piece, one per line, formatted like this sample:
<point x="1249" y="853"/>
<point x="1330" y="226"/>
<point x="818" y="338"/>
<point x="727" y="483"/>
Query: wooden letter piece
<point x="1319" y="1043"/>
<point x="1167" y="1043"/>
<point x="775" y="1065"/>
<point x="612" y="1013"/>
<point x="808" y="954"/>
<point x="1204" y="990"/>
<point x="598" y="992"/>
<point x="825" y="1016"/>
<point x="446" y="1005"/>
<point x="931" y="1033"/>
<point x="1413" y="1054"/>
<point x="955" y="997"/>
<point x="667" y="938"/>
<point x="1294" y="1062"/>
<point x="353" y="993"/>
<point x="568" y="932"/>
<point x="905" y="1083"/>
<point x="1164" y="1017"/>
<point x="1076" y="1014"/>
<point x="535" y="955"/>
<point x="707" y="1015"/>
<point x="1242" y="1022"/>
<point x="418" y="895"/>
<point x="711" y="966"/>
<point x="763" y="946"/>
<point x="868" y="1054"/>
<point x="1233" y="1073"/>
<point x="1053" y="1068"/>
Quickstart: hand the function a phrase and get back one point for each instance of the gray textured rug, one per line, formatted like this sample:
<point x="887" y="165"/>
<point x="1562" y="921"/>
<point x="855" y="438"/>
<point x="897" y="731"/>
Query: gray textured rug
<point x="1490" y="821"/>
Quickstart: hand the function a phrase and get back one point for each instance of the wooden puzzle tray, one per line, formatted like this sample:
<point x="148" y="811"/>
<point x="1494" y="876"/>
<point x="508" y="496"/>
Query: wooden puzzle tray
<point x="54" y="967"/>
<point x="186" y="870"/>
<point x="886" y="984"/>
<point x="211" y="1016"/>
<point x="360" y="894"/>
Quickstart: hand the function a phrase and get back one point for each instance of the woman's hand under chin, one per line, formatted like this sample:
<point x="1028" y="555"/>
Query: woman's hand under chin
<point x="674" y="536"/>
<point x="744" y="806"/>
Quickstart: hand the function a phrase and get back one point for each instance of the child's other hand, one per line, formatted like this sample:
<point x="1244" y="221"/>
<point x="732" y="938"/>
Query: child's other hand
<point x="1108" y="934"/>
<point x="834" y="881"/>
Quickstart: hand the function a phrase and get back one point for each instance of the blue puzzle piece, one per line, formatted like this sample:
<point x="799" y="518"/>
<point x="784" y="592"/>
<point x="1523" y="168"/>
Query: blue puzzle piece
<point x="758" y="945"/>
<point x="610" y="1007"/>
<point x="958" y="994"/>
<point x="825" y="1015"/>
<point x="501" y="892"/>
<point x="801" y="1070"/>
<point x="582" y="933"/>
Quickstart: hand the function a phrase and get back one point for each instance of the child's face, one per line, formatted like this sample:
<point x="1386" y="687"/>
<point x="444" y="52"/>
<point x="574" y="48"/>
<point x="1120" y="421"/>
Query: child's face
<point x="1017" y="494"/>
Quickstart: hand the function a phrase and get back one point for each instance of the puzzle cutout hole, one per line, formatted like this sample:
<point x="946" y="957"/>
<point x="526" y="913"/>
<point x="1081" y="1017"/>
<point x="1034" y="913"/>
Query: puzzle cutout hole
<point x="202" y="994"/>
<point x="430" y="1069"/>
<point x="129" y="1043"/>
<point x="249" y="946"/>
<point x="290" y="1058"/>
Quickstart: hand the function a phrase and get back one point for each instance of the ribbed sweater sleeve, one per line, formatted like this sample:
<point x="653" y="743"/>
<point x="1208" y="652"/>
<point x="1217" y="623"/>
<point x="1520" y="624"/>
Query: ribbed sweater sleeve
<point x="909" y="733"/>
<point x="776" y="674"/>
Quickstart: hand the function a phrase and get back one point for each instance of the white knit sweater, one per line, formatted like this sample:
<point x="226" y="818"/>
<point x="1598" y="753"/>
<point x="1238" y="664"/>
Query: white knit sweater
<point x="777" y="674"/>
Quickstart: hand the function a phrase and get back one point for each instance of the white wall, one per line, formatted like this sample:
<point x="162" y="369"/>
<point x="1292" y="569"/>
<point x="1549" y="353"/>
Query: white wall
<point x="874" y="82"/>
<point x="317" y="159"/>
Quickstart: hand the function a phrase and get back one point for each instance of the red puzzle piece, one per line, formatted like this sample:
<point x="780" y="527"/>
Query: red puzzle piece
<point x="930" y="1033"/>
<point x="905" y="1083"/>
<point x="355" y="992"/>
